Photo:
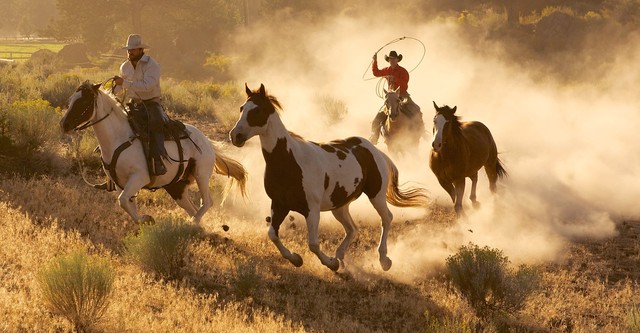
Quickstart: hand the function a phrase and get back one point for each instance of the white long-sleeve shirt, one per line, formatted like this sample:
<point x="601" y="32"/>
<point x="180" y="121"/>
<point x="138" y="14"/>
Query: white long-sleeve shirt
<point x="142" y="82"/>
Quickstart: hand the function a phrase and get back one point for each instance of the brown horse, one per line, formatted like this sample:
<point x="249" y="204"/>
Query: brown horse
<point x="459" y="150"/>
<point x="401" y="132"/>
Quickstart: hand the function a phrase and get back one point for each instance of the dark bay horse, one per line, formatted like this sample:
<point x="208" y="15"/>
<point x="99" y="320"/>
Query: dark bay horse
<point x="308" y="178"/>
<point x="401" y="132"/>
<point x="459" y="150"/>
<point x="124" y="161"/>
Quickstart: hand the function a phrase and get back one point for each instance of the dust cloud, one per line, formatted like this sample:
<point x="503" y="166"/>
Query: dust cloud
<point x="571" y="150"/>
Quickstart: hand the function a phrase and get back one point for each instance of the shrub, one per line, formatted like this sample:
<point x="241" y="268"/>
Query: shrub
<point x="58" y="88"/>
<point x="483" y="277"/>
<point x="77" y="287"/>
<point x="30" y="125"/>
<point x="245" y="277"/>
<point x="162" y="248"/>
<point x="333" y="110"/>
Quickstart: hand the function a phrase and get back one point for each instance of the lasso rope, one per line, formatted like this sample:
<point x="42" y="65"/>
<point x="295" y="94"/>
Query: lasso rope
<point x="380" y="86"/>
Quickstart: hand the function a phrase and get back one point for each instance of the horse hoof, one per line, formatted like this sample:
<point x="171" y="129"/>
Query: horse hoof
<point x="385" y="263"/>
<point x="296" y="259"/>
<point x="333" y="264"/>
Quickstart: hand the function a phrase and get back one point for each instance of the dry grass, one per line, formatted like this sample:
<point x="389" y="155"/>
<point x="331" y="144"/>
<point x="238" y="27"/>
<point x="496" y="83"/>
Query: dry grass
<point x="235" y="281"/>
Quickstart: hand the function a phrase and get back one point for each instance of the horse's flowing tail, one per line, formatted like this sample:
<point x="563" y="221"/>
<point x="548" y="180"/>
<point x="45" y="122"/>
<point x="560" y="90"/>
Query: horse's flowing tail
<point x="408" y="197"/>
<point x="500" y="170"/>
<point x="229" y="167"/>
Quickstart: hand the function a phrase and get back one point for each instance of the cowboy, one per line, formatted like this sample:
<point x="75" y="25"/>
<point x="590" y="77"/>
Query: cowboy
<point x="397" y="78"/>
<point x="140" y="79"/>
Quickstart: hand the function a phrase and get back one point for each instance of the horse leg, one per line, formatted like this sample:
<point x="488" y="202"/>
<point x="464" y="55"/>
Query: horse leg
<point x="206" y="202"/>
<point x="313" y="220"/>
<point x="459" y="187"/>
<point x="126" y="199"/>
<point x="474" y="183"/>
<point x="351" y="230"/>
<point x="447" y="186"/>
<point x="277" y="216"/>
<point x="379" y="202"/>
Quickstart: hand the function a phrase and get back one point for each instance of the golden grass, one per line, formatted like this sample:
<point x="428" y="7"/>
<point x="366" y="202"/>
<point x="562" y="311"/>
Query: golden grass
<point x="235" y="281"/>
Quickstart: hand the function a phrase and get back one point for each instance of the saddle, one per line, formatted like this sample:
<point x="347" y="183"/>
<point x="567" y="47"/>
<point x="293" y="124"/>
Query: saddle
<point x="173" y="130"/>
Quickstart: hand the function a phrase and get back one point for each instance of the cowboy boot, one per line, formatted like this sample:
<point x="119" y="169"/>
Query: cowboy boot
<point x="158" y="167"/>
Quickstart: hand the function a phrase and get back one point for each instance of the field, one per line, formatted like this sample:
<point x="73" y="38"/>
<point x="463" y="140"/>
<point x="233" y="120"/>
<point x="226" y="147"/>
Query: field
<point x="562" y="109"/>
<point x="15" y="49"/>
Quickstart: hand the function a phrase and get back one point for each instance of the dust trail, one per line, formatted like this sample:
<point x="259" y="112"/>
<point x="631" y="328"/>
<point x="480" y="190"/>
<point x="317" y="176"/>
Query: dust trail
<point x="571" y="151"/>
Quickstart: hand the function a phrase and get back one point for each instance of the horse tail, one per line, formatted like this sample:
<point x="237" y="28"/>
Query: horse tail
<point x="229" y="167"/>
<point x="500" y="170"/>
<point x="407" y="197"/>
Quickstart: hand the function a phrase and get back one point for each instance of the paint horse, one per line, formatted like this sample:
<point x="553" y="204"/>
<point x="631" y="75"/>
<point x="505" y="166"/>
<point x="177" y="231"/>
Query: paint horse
<point x="401" y="132"/>
<point x="308" y="178"/>
<point x="459" y="150"/>
<point x="124" y="161"/>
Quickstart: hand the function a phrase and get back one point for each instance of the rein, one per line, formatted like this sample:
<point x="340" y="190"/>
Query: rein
<point x="80" y="160"/>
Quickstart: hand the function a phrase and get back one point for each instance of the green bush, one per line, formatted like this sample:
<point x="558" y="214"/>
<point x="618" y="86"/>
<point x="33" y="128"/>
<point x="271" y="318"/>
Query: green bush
<point x="58" y="88"/>
<point x="162" y="248"/>
<point x="245" y="277"/>
<point x="77" y="287"/>
<point x="483" y="277"/>
<point x="30" y="125"/>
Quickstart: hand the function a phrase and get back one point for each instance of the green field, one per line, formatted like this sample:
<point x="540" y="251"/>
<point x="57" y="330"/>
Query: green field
<point x="20" y="50"/>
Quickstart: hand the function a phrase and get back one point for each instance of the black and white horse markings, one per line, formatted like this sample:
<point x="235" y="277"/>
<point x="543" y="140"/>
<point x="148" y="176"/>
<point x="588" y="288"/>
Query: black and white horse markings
<point x="124" y="160"/>
<point x="308" y="178"/>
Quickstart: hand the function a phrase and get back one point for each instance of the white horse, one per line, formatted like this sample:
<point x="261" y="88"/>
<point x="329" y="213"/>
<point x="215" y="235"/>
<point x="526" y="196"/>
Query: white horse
<point x="308" y="178"/>
<point x="124" y="161"/>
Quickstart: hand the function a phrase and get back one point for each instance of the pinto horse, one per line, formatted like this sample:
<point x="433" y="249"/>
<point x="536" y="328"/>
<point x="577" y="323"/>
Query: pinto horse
<point x="124" y="161"/>
<point x="401" y="133"/>
<point x="459" y="150"/>
<point x="308" y="178"/>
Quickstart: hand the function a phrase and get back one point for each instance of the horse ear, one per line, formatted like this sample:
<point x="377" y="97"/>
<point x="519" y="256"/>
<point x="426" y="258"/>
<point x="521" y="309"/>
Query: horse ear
<point x="385" y="91"/>
<point x="262" y="91"/>
<point x="247" y="90"/>
<point x="96" y="86"/>
<point x="435" y="105"/>
<point x="454" y="109"/>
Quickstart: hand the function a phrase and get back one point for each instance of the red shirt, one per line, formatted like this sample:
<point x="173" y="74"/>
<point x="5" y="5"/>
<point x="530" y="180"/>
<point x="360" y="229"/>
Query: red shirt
<point x="397" y="77"/>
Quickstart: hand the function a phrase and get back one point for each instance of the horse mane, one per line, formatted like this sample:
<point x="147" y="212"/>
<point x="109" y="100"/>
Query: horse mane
<point x="447" y="112"/>
<point x="114" y="102"/>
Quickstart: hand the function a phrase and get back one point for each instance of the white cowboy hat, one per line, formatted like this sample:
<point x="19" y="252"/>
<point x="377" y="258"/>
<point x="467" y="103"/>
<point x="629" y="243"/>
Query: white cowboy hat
<point x="134" y="41"/>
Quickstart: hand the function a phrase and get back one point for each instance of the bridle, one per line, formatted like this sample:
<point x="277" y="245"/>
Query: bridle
<point x="90" y="107"/>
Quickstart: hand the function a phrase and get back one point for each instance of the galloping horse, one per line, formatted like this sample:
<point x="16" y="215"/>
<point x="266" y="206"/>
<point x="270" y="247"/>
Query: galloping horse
<point x="401" y="132"/>
<point x="459" y="150"/>
<point x="124" y="161"/>
<point x="308" y="178"/>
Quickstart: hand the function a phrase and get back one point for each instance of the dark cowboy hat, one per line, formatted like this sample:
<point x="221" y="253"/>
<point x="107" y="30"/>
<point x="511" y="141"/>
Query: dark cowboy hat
<point x="393" y="54"/>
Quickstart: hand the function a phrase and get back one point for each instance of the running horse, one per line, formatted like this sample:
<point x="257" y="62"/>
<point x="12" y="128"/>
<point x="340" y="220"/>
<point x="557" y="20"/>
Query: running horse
<point x="308" y="177"/>
<point x="401" y="131"/>
<point x="124" y="161"/>
<point x="459" y="150"/>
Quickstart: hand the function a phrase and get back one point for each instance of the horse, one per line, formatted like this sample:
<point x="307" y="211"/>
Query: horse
<point x="401" y="132"/>
<point x="308" y="177"/>
<point x="125" y="163"/>
<point x="459" y="150"/>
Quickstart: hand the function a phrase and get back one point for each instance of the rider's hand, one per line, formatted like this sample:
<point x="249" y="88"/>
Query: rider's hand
<point x="118" y="80"/>
<point x="375" y="56"/>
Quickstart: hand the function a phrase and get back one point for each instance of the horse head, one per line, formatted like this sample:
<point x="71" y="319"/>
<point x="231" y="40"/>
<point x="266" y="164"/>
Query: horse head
<point x="444" y="115"/>
<point x="254" y="115"/>
<point x="392" y="103"/>
<point x="81" y="107"/>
